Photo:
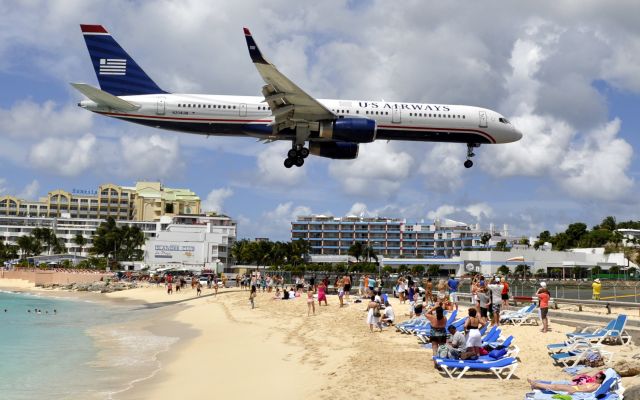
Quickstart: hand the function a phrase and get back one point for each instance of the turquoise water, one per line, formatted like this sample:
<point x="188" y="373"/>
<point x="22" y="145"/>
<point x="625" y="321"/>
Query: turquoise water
<point x="76" y="353"/>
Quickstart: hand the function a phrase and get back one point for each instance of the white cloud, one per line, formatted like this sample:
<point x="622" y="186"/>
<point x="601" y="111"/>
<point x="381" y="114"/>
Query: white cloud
<point x="271" y="170"/>
<point x="216" y="198"/>
<point x="30" y="191"/>
<point x="443" y="167"/>
<point x="378" y="171"/>
<point x="442" y="212"/>
<point x="358" y="209"/>
<point x="479" y="210"/>
<point x="597" y="168"/>
<point x="152" y="157"/>
<point x="67" y="157"/>
<point x="27" y="119"/>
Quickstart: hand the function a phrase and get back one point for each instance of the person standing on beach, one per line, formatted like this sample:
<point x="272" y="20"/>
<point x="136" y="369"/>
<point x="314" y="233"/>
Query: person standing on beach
<point x="496" y="300"/>
<point x="544" y="297"/>
<point x="401" y="290"/>
<point x="505" y="291"/>
<point x="252" y="296"/>
<point x="322" y="296"/>
<point x="347" y="287"/>
<point x="373" y="314"/>
<point x="169" y="288"/>
<point x="428" y="289"/>
<point x="438" y="332"/>
<point x="340" y="286"/>
<point x="453" y="290"/>
<point x="311" y="304"/>
<point x="198" y="289"/>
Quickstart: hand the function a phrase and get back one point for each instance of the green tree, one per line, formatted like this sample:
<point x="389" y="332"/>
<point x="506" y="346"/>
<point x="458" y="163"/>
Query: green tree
<point x="417" y="269"/>
<point x="540" y="273"/>
<point x="524" y="241"/>
<point x="503" y="270"/>
<point x="502" y="246"/>
<point x="29" y="246"/>
<point x="523" y="270"/>
<point x="484" y="239"/>
<point x="79" y="241"/>
<point x="577" y="272"/>
<point x="575" y="232"/>
<point x="356" y="250"/>
<point x="608" y="223"/>
<point x="596" y="270"/>
<point x="544" y="236"/>
<point x="433" y="270"/>
<point x="614" y="270"/>
<point x="387" y="269"/>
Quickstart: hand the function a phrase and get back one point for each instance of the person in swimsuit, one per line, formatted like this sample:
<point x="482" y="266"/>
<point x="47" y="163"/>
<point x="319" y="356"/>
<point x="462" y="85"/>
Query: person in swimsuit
<point x="311" y="304"/>
<point x="347" y="286"/>
<point x="588" y="387"/>
<point x="472" y="327"/>
<point x="322" y="296"/>
<point x="340" y="286"/>
<point x="438" y="324"/>
<point x="373" y="314"/>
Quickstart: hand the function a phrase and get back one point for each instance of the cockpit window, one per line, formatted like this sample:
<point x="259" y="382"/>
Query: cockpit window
<point x="504" y="120"/>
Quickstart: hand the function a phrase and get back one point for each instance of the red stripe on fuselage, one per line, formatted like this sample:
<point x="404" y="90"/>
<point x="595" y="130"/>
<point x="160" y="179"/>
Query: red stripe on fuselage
<point x="183" y="119"/>
<point x="425" y="128"/>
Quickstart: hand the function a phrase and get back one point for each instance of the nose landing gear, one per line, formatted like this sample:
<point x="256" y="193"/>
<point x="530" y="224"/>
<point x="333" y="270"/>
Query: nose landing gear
<point x="296" y="156"/>
<point x="470" y="146"/>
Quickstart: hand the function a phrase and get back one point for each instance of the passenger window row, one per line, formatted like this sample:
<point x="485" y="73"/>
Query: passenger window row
<point x="191" y="105"/>
<point x="437" y="115"/>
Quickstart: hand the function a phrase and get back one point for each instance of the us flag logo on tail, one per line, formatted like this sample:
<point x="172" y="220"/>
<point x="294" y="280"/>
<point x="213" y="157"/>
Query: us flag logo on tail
<point x="113" y="66"/>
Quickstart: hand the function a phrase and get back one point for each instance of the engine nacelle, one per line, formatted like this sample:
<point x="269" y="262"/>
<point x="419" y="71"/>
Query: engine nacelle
<point x="355" y="130"/>
<point x="335" y="150"/>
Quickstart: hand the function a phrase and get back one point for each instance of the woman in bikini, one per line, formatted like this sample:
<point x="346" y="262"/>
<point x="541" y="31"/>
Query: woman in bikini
<point x="472" y="327"/>
<point x="438" y="328"/>
<point x="586" y="387"/>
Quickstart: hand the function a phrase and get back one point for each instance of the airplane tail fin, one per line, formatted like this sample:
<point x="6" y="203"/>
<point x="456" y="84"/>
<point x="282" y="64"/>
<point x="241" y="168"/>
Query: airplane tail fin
<point x="118" y="74"/>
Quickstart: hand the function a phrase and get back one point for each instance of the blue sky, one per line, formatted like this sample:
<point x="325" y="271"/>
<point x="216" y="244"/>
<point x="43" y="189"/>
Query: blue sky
<point x="567" y="74"/>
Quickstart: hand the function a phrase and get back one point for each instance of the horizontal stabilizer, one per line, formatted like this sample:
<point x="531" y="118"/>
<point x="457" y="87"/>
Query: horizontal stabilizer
<point x="103" y="98"/>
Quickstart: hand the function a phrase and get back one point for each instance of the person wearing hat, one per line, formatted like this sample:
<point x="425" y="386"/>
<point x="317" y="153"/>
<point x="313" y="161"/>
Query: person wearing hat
<point x="596" y="286"/>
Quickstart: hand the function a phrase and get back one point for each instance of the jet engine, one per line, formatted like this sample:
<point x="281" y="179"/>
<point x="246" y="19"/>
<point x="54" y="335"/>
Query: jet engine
<point x="355" y="130"/>
<point x="335" y="150"/>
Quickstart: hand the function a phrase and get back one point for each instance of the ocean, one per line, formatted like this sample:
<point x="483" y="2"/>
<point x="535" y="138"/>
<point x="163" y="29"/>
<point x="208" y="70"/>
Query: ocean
<point x="83" y="350"/>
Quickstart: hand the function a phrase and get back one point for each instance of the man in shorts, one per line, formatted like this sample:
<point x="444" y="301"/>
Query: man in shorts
<point x="453" y="290"/>
<point x="496" y="299"/>
<point x="347" y="286"/>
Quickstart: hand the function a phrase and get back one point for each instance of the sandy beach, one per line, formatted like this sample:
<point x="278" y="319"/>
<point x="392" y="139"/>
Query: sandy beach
<point x="276" y="352"/>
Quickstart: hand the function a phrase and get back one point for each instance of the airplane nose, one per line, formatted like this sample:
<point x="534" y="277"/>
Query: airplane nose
<point x="517" y="134"/>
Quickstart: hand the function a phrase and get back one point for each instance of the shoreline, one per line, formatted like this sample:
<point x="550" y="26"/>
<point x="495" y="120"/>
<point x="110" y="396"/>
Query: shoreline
<point x="277" y="352"/>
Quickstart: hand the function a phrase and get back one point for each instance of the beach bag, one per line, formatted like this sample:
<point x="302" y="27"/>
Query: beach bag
<point x="443" y="351"/>
<point x="594" y="359"/>
<point x="468" y="355"/>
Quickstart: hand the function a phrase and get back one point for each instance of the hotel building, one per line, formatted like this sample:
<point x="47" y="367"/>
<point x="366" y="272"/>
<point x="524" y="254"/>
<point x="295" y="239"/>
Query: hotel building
<point x="389" y="237"/>
<point x="146" y="201"/>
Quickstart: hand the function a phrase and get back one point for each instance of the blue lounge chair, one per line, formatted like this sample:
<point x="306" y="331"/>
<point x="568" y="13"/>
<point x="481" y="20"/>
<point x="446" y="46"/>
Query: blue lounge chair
<point x="497" y="367"/>
<point x="610" y="333"/>
<point x="496" y="344"/>
<point x="609" y="389"/>
<point x="579" y="353"/>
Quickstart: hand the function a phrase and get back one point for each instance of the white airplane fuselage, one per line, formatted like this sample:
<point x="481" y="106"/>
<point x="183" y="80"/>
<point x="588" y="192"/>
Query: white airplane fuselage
<point x="221" y="115"/>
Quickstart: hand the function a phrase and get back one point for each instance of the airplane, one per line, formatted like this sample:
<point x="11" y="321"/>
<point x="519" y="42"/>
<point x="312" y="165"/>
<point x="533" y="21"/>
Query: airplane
<point x="333" y="128"/>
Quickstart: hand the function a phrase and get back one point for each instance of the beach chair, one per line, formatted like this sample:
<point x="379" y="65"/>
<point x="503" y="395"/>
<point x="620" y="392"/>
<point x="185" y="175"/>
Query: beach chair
<point x="614" y="333"/>
<point x="578" y="354"/>
<point x="492" y="336"/>
<point x="611" y="388"/>
<point x="423" y="333"/>
<point x="500" y="344"/>
<point x="570" y="346"/>
<point x="527" y="316"/>
<point x="455" y="369"/>
<point x="508" y="313"/>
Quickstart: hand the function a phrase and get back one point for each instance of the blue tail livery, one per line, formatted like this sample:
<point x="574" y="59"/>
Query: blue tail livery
<point x="118" y="74"/>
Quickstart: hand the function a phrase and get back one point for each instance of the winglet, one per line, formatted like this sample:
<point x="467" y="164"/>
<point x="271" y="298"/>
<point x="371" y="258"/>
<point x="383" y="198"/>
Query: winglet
<point x="254" y="51"/>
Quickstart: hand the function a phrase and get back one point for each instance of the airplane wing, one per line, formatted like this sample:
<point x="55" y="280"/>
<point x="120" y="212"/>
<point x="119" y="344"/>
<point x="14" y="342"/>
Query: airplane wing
<point x="289" y="104"/>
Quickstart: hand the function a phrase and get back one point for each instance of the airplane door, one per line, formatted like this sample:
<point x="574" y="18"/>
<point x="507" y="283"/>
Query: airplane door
<point x="161" y="106"/>
<point x="483" y="119"/>
<point x="396" y="115"/>
<point x="243" y="110"/>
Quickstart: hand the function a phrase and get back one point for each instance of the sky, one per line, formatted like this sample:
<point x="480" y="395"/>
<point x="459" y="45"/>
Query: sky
<point x="566" y="73"/>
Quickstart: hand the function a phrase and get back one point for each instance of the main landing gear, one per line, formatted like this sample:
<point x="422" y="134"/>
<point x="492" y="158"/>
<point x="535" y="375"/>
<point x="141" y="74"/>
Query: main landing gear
<point x="296" y="156"/>
<point x="470" y="153"/>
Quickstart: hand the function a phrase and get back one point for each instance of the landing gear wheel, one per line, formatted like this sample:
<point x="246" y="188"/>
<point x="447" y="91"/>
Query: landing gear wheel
<point x="288" y="162"/>
<point x="468" y="164"/>
<point x="299" y="161"/>
<point x="293" y="153"/>
<point x="304" y="152"/>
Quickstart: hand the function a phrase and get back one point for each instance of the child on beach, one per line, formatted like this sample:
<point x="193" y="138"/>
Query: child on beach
<point x="252" y="296"/>
<point x="311" y="304"/>
<point x="340" y="285"/>
<point x="198" y="289"/>
<point x="169" y="288"/>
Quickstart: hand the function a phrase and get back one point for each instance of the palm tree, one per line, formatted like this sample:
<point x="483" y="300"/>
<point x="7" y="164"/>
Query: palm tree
<point x="356" y="251"/>
<point x="433" y="270"/>
<point x="523" y="269"/>
<point x="503" y="270"/>
<point x="80" y="241"/>
<point x="29" y="245"/>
